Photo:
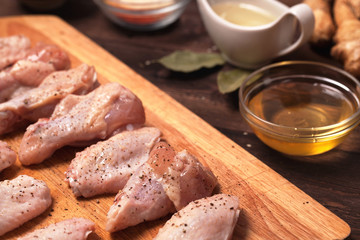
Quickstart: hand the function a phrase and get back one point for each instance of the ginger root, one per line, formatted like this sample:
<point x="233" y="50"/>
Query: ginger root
<point x="324" y="29"/>
<point x="347" y="37"/>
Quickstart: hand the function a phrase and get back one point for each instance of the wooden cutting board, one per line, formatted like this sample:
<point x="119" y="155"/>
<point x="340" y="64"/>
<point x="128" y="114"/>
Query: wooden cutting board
<point x="272" y="208"/>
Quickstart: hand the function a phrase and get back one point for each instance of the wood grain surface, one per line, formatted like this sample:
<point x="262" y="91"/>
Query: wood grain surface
<point x="272" y="207"/>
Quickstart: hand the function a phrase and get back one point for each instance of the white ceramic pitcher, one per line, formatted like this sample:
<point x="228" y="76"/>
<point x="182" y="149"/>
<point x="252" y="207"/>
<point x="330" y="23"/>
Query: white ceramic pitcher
<point x="252" y="47"/>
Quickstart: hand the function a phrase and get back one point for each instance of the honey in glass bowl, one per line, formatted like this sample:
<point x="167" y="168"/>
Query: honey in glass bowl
<point x="301" y="108"/>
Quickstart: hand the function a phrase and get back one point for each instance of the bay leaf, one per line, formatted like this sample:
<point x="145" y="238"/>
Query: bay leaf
<point x="229" y="81"/>
<point x="188" y="61"/>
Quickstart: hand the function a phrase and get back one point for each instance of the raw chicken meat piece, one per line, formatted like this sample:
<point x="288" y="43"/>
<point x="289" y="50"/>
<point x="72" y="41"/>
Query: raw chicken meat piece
<point x="81" y="119"/>
<point x="167" y="182"/>
<point x="70" y="229"/>
<point x="105" y="167"/>
<point x="206" y="219"/>
<point x="22" y="199"/>
<point x="29" y="72"/>
<point x="40" y="102"/>
<point x="49" y="53"/>
<point x="12" y="49"/>
<point x="7" y="156"/>
<point x="142" y="199"/>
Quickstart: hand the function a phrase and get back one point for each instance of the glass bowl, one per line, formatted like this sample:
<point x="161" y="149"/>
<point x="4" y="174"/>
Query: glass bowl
<point x="143" y="15"/>
<point x="300" y="108"/>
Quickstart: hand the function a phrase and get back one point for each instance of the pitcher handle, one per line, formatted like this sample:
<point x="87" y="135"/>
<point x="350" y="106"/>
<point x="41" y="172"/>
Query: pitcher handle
<point x="305" y="17"/>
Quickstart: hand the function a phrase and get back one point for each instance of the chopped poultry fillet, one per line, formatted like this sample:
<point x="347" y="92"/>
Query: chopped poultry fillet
<point x="206" y="219"/>
<point x="22" y="199"/>
<point x="40" y="102"/>
<point x="70" y="229"/>
<point x="13" y="48"/>
<point x="105" y="167"/>
<point x="29" y="72"/>
<point x="81" y="119"/>
<point x="167" y="182"/>
<point x="7" y="156"/>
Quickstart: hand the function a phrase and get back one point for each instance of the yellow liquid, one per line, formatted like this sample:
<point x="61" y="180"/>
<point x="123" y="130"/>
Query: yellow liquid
<point x="298" y="104"/>
<point x="243" y="14"/>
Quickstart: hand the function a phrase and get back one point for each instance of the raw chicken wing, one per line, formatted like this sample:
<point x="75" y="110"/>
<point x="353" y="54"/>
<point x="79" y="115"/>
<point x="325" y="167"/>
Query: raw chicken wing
<point x="29" y="72"/>
<point x="105" y="167"/>
<point x="71" y="229"/>
<point x="81" y="119"/>
<point x="142" y="199"/>
<point x="208" y="218"/>
<point x="22" y="199"/>
<point x="40" y="102"/>
<point x="167" y="182"/>
<point x="7" y="156"/>
<point x="12" y="49"/>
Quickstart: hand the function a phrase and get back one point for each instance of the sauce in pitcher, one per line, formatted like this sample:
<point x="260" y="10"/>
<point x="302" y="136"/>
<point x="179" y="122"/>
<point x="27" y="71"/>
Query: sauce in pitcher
<point x="243" y="14"/>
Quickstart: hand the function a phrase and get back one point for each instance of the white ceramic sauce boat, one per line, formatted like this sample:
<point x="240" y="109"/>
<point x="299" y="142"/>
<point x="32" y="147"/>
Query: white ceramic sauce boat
<point x="255" y="46"/>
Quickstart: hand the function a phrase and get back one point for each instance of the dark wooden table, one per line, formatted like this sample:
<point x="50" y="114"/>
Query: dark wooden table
<point x="333" y="178"/>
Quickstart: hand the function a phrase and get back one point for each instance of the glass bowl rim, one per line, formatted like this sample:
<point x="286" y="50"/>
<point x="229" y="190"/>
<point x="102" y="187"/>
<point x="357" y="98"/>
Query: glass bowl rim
<point x="353" y="119"/>
<point x="171" y="7"/>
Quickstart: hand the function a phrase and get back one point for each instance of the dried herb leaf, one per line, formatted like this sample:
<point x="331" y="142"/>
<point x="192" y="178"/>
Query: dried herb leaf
<point x="231" y="80"/>
<point x="187" y="61"/>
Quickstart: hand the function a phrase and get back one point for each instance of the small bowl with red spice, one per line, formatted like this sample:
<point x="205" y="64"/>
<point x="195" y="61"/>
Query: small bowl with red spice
<point x="143" y="15"/>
